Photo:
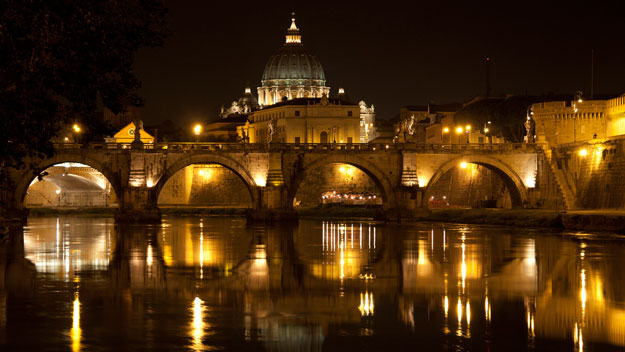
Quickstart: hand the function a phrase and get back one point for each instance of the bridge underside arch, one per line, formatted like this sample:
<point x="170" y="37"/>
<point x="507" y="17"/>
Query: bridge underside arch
<point x="75" y="183"/>
<point x="374" y="174"/>
<point x="513" y="183"/>
<point x="206" y="172"/>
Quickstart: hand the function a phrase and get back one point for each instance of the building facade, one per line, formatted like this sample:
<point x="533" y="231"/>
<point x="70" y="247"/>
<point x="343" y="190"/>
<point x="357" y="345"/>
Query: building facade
<point x="304" y="120"/>
<point x="562" y="122"/>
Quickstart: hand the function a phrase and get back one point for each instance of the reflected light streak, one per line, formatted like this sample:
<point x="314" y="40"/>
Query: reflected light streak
<point x="75" y="332"/>
<point x="198" y="324"/>
<point x="583" y="290"/>
<point x="459" y="308"/>
<point x="446" y="305"/>
<point x="468" y="313"/>
<point x="149" y="255"/>
<point x="366" y="304"/>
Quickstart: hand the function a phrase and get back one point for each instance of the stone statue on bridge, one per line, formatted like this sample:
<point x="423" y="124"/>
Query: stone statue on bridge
<point x="404" y="127"/>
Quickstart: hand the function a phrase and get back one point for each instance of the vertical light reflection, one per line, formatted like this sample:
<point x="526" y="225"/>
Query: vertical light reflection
<point x="463" y="266"/>
<point x="352" y="238"/>
<point x="374" y="237"/>
<point x="75" y="332"/>
<point x="197" y="326"/>
<point x="468" y="313"/>
<point x="366" y="307"/>
<point x="149" y="255"/>
<point x="486" y="309"/>
<point x="582" y="294"/>
<point x="446" y="305"/>
<point x="201" y="253"/>
<point x="459" y="309"/>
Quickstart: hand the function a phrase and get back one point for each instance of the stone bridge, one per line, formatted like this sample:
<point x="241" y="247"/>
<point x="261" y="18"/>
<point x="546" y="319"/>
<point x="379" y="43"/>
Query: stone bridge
<point x="272" y="173"/>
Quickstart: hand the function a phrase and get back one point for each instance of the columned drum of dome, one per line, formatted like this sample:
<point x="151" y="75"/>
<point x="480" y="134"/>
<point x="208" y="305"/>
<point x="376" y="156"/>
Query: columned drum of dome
<point x="292" y="72"/>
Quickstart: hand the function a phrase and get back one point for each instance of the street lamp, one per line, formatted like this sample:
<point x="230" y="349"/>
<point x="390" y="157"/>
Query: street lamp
<point x="468" y="131"/>
<point x="197" y="129"/>
<point x="75" y="131"/>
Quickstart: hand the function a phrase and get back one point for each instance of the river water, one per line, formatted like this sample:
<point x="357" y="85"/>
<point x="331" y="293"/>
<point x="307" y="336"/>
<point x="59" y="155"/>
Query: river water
<point x="192" y="284"/>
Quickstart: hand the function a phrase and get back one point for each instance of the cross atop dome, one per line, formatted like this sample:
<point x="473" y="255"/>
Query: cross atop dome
<point x="292" y="34"/>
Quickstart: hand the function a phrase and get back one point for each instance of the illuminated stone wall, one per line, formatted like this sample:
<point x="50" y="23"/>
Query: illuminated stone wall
<point x="210" y="185"/>
<point x="468" y="187"/>
<point x="596" y="171"/>
<point x="341" y="178"/>
<point x="48" y="194"/>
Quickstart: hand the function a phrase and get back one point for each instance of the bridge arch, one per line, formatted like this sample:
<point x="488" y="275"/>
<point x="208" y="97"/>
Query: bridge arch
<point x="226" y="162"/>
<point x="30" y="173"/>
<point x="514" y="183"/>
<point x="380" y="179"/>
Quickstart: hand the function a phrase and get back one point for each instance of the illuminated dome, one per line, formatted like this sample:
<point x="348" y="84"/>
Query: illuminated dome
<point x="292" y="72"/>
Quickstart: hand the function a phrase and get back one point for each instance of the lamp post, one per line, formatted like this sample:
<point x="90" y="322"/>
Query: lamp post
<point x="75" y="131"/>
<point x="459" y="131"/>
<point x="197" y="129"/>
<point x="443" y="131"/>
<point x="577" y="100"/>
<point x="467" y="131"/>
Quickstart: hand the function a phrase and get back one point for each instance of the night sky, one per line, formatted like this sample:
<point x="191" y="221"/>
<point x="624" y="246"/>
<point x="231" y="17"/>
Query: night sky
<point x="388" y="55"/>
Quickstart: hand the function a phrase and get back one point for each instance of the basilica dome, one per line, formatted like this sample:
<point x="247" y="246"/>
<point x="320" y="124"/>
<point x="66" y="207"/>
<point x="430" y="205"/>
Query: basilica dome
<point x="294" y="63"/>
<point x="292" y="72"/>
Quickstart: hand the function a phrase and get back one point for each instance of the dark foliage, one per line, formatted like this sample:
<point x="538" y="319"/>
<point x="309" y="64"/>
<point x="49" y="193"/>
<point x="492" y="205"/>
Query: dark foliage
<point x="61" y="61"/>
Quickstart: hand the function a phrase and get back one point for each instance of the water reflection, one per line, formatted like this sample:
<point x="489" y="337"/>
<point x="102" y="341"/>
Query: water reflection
<point x="219" y="284"/>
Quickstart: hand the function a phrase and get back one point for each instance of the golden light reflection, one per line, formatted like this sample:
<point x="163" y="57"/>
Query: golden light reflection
<point x="75" y="332"/>
<point x="459" y="309"/>
<point x="582" y="294"/>
<point x="468" y="313"/>
<point x="446" y="305"/>
<point x="366" y="304"/>
<point x="197" y="331"/>
<point x="149" y="255"/>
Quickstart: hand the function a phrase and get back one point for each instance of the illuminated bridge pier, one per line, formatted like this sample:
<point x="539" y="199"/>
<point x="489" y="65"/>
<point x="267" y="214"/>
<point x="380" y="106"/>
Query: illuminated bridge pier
<point x="404" y="175"/>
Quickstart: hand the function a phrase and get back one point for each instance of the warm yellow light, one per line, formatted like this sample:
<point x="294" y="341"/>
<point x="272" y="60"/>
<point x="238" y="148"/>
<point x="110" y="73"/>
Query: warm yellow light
<point x="583" y="152"/>
<point x="486" y="130"/>
<point x="459" y="130"/>
<point x="342" y="169"/>
<point x="464" y="165"/>
<point x="198" y="323"/>
<point x="76" y="128"/>
<point x="75" y="332"/>
<point x="197" y="129"/>
<point x="446" y="129"/>
<point x="468" y="128"/>
<point x="149" y="183"/>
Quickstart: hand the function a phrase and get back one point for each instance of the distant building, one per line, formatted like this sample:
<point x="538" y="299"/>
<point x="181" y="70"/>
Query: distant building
<point x="561" y="122"/>
<point x="304" y="120"/>
<point x="127" y="135"/>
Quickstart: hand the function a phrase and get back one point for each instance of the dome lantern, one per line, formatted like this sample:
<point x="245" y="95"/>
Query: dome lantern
<point x="292" y="34"/>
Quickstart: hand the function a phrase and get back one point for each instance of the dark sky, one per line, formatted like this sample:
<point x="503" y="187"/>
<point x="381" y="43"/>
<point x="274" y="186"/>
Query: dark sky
<point x="389" y="54"/>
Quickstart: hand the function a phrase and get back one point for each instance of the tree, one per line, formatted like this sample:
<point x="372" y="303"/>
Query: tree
<point x="61" y="61"/>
